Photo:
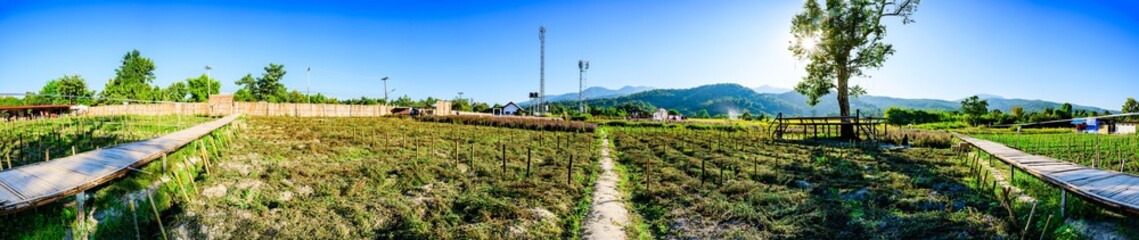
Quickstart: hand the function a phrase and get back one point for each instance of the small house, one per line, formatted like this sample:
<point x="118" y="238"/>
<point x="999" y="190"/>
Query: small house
<point x="510" y="109"/>
<point x="1125" y="127"/>
<point x="660" y="115"/>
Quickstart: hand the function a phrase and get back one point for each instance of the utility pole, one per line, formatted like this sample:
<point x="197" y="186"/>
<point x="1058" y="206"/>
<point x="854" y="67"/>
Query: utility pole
<point x="308" y="84"/>
<point x="460" y="96"/>
<point x="385" y="79"/>
<point x="582" y="65"/>
<point x="542" y="70"/>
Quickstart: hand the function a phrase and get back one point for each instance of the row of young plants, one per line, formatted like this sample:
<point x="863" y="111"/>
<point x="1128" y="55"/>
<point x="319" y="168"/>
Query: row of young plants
<point x="529" y="123"/>
<point x="708" y="184"/>
<point x="395" y="178"/>
<point x="30" y="141"/>
<point x="139" y="205"/>
<point x="1112" y="152"/>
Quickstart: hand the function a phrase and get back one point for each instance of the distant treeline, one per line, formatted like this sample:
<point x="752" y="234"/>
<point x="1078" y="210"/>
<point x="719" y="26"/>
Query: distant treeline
<point x="133" y="82"/>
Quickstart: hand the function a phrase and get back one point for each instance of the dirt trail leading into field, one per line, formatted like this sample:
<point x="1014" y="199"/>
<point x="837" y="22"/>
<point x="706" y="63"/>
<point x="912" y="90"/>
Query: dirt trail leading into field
<point x="607" y="216"/>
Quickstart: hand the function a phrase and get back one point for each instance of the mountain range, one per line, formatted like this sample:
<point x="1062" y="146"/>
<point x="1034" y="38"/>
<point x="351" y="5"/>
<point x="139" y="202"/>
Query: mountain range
<point x="592" y="93"/>
<point x="732" y="99"/>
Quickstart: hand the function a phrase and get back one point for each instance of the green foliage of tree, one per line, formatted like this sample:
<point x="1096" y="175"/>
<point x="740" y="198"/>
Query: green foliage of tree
<point x="10" y="101"/>
<point x="480" y="107"/>
<point x="176" y="92"/>
<point x="974" y="107"/>
<point x="746" y="115"/>
<point x="200" y="88"/>
<point x="1130" y="106"/>
<point x="132" y="79"/>
<point x="703" y="113"/>
<point x="841" y="41"/>
<point x="1017" y="112"/>
<point x="69" y="89"/>
<point x="269" y="87"/>
<point x="899" y="116"/>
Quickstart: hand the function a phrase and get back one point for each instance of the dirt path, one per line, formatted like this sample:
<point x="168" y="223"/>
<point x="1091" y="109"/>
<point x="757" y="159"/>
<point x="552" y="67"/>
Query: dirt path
<point x="607" y="216"/>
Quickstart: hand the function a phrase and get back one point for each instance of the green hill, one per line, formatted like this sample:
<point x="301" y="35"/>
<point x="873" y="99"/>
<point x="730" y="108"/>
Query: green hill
<point x="730" y="98"/>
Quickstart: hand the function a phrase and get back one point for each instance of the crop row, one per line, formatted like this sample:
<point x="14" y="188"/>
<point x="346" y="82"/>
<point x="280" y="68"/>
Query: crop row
<point x="529" y="123"/>
<point x="1114" y="152"/>
<point x="30" y="141"/>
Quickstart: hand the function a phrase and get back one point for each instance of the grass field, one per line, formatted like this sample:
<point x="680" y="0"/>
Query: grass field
<point x="30" y="141"/>
<point x="715" y="185"/>
<point x="368" y="178"/>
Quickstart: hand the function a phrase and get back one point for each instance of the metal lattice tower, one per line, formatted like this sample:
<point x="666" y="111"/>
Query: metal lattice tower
<point x="542" y="71"/>
<point x="582" y="65"/>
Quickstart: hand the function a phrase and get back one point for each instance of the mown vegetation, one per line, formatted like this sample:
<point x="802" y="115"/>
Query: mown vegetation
<point x="708" y="184"/>
<point x="354" y="178"/>
<point x="30" y="141"/>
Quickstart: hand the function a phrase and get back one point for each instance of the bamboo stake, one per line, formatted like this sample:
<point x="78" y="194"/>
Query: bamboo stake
<point x="130" y="201"/>
<point x="1044" y="229"/>
<point x="1028" y="222"/>
<point x="156" y="215"/>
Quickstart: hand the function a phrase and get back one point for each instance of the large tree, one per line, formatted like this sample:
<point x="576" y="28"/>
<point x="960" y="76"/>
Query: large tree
<point x="69" y="89"/>
<point x="132" y="79"/>
<point x="974" y="107"/>
<point x="841" y="41"/>
<point x="1130" y="106"/>
<point x="201" y="87"/>
<point x="269" y="87"/>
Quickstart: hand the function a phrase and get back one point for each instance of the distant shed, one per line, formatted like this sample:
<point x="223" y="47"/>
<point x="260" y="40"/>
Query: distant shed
<point x="34" y="111"/>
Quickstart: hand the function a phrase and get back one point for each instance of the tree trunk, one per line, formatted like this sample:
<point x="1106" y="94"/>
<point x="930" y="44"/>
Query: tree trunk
<point x="847" y="130"/>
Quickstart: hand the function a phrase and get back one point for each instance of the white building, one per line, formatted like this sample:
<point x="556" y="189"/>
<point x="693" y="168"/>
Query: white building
<point x="660" y="115"/>
<point x="510" y="109"/>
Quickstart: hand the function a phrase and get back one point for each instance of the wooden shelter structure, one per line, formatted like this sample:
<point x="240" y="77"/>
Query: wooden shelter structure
<point x="865" y="127"/>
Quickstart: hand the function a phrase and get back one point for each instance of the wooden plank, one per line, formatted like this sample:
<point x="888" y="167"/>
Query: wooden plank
<point x="1106" y="177"/>
<point x="1079" y="174"/>
<point x="7" y="194"/>
<point x="26" y="184"/>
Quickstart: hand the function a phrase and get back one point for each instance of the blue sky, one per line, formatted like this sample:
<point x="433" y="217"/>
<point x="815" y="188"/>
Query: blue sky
<point x="1083" y="52"/>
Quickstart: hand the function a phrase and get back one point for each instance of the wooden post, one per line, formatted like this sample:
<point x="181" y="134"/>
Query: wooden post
<point x="1063" y="201"/>
<point x="503" y="159"/>
<point x="156" y="215"/>
<point x="528" y="151"/>
<point x="569" y="171"/>
<point x="702" y="172"/>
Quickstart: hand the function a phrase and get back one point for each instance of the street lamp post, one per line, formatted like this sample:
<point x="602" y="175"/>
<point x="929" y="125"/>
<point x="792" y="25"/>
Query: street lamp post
<point x="385" y="79"/>
<point x="209" y="84"/>
<point x="460" y="96"/>
<point x="308" y="84"/>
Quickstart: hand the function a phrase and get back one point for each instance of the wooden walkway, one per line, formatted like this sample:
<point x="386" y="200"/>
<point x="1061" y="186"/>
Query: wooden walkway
<point x="1110" y="188"/>
<point x="37" y="184"/>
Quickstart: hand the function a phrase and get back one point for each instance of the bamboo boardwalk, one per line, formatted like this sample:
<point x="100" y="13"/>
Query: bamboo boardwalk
<point x="1112" y="189"/>
<point x="37" y="184"/>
